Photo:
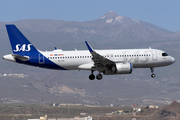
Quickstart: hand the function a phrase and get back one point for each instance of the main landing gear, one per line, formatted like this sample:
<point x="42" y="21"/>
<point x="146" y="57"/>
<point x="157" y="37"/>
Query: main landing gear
<point x="98" y="76"/>
<point x="152" y="71"/>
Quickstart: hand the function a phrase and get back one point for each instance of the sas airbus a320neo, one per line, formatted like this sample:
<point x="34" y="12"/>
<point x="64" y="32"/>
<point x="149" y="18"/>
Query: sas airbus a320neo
<point x="107" y="62"/>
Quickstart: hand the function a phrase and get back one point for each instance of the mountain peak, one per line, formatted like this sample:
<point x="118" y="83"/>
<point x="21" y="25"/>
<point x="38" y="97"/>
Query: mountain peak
<point x="113" y="18"/>
<point x="110" y="14"/>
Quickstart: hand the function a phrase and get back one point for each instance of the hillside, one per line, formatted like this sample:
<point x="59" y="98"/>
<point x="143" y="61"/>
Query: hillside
<point x="169" y="112"/>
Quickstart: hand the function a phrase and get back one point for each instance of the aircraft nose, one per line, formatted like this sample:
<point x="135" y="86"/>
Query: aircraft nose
<point x="173" y="60"/>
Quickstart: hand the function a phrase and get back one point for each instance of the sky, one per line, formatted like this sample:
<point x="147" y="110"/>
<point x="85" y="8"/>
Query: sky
<point x="162" y="13"/>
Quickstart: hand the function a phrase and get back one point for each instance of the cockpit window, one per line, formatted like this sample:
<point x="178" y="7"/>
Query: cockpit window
<point x="164" y="54"/>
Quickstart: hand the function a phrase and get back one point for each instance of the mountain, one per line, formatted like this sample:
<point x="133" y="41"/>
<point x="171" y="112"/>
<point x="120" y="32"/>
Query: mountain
<point x="108" y="31"/>
<point x="177" y="34"/>
<point x="110" y="26"/>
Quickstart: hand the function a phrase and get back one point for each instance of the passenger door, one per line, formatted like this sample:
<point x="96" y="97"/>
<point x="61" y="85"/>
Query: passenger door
<point x="41" y="58"/>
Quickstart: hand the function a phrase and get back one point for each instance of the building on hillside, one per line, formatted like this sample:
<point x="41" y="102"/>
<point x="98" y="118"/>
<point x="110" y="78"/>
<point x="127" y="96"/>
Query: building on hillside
<point x="46" y="118"/>
<point x="153" y="106"/>
<point x="83" y="114"/>
<point x="43" y="118"/>
<point x="69" y="105"/>
<point x="54" y="104"/>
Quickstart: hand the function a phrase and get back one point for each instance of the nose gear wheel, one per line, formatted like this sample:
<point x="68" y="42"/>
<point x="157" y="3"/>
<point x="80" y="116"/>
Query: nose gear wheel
<point x="152" y="71"/>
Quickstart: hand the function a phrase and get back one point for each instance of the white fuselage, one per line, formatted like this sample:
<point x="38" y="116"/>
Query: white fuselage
<point x="140" y="58"/>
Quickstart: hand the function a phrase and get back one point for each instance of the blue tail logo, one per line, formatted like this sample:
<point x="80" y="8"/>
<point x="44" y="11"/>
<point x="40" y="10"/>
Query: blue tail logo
<point x="23" y="48"/>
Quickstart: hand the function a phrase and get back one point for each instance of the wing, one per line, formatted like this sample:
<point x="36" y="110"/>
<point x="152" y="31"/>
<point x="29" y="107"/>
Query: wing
<point x="99" y="60"/>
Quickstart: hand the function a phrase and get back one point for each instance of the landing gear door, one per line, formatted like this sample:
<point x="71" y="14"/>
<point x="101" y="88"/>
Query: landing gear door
<point x="154" y="55"/>
<point x="41" y="58"/>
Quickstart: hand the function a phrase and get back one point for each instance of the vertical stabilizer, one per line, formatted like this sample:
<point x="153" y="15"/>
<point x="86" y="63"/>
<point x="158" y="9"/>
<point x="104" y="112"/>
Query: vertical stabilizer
<point x="19" y="43"/>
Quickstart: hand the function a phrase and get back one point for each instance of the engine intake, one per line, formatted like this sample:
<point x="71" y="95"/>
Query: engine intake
<point x="120" y="68"/>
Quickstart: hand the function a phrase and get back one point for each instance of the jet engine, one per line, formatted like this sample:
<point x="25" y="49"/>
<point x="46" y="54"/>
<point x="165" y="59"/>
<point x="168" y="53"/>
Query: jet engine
<point x="119" y="68"/>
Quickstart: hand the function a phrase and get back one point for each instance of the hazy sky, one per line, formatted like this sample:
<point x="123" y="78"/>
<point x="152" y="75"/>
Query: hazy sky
<point x="163" y="13"/>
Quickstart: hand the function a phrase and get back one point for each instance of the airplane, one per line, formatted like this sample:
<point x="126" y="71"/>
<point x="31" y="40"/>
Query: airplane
<point x="107" y="62"/>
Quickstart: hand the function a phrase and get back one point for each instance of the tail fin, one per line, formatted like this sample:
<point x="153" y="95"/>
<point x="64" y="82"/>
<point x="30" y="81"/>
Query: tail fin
<point x="19" y="43"/>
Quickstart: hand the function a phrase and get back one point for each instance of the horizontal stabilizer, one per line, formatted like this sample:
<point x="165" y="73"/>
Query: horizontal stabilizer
<point x="19" y="57"/>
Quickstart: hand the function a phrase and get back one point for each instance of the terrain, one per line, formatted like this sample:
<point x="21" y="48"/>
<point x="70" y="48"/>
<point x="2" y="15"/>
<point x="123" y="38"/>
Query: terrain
<point x="34" y="111"/>
<point x="30" y="111"/>
<point x="109" y="31"/>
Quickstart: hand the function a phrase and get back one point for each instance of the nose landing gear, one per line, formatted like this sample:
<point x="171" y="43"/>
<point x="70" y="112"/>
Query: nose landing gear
<point x="152" y="71"/>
